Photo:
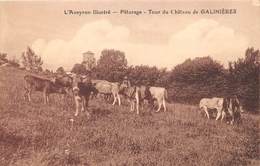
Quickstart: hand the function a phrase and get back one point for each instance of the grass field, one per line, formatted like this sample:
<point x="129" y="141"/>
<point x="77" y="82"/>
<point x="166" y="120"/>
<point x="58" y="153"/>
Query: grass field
<point x="35" y="134"/>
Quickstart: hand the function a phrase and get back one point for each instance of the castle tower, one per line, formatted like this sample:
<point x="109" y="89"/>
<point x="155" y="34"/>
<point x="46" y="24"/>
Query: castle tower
<point x="89" y="60"/>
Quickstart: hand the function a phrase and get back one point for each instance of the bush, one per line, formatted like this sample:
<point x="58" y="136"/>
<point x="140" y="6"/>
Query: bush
<point x="196" y="79"/>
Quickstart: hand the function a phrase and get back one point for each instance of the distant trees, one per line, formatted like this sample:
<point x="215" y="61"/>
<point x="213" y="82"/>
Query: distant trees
<point x="244" y="79"/>
<point x="60" y="70"/>
<point x="31" y="61"/>
<point x="195" y="79"/>
<point x="3" y="58"/>
<point x="89" y="61"/>
<point x="146" y="75"/>
<point x="14" y="62"/>
<point x="79" y="69"/>
<point x="112" y="65"/>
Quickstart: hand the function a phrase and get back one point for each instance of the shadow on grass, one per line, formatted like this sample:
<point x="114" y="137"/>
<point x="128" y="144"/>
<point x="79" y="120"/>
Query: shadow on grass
<point x="9" y="145"/>
<point x="100" y="112"/>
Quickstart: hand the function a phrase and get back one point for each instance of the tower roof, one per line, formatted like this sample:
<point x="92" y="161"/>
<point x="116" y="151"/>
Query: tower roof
<point x="89" y="52"/>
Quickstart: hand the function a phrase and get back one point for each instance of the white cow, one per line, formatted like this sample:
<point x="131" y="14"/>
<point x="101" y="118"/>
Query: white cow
<point x="108" y="88"/>
<point x="212" y="103"/>
<point x="229" y="105"/>
<point x="160" y="94"/>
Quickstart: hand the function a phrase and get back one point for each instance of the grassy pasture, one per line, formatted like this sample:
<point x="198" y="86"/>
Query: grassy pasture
<point x="37" y="135"/>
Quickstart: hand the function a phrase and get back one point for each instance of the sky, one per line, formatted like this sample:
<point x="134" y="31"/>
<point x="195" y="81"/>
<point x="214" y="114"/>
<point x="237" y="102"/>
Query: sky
<point x="162" y="40"/>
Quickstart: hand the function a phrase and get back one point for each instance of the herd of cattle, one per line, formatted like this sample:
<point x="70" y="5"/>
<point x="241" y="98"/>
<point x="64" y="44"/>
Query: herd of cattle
<point x="83" y="88"/>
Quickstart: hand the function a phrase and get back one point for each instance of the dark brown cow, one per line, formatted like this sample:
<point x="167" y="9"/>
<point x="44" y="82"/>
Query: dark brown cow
<point x="234" y="108"/>
<point x="64" y="81"/>
<point x="135" y="95"/>
<point x="82" y="89"/>
<point x="47" y="86"/>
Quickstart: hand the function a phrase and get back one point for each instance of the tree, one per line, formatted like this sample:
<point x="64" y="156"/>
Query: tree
<point x="112" y="65"/>
<point x="145" y="75"/>
<point x="196" y="79"/>
<point x="79" y="69"/>
<point x="60" y="70"/>
<point x="31" y="61"/>
<point x="244" y="77"/>
<point x="14" y="62"/>
<point x="89" y="61"/>
<point x="3" y="58"/>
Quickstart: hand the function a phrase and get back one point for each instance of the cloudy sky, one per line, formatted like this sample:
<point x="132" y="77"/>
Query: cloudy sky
<point x="160" y="40"/>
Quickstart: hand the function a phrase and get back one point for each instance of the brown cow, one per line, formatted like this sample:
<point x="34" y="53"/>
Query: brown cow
<point x="132" y="94"/>
<point x="47" y="86"/>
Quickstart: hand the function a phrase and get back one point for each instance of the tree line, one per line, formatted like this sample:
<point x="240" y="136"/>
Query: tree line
<point x="187" y="82"/>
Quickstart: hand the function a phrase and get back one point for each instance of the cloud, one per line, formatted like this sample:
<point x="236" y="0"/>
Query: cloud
<point x="207" y="37"/>
<point x="93" y="36"/>
<point x="256" y="2"/>
<point x="201" y="38"/>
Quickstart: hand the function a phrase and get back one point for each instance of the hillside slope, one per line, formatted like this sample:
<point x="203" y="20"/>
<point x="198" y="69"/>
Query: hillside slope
<point x="38" y="135"/>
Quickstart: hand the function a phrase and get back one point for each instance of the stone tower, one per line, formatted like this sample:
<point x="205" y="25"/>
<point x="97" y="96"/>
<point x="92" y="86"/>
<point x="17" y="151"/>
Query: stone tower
<point x="89" y="60"/>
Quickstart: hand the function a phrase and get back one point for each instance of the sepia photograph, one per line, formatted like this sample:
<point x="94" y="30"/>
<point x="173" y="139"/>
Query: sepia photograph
<point x="130" y="83"/>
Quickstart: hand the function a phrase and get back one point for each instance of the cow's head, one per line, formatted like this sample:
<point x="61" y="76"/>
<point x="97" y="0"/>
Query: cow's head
<point x="53" y="80"/>
<point x="76" y="79"/>
<point x="64" y="80"/>
<point x="123" y="86"/>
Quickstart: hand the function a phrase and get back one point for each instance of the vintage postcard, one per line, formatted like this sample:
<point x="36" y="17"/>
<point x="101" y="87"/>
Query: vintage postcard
<point x="129" y="82"/>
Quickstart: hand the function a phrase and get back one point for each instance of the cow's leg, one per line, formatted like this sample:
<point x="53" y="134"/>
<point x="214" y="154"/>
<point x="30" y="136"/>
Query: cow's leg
<point x="206" y="111"/>
<point x="86" y="103"/>
<point x="114" y="96"/>
<point x="77" y="103"/>
<point x="137" y="103"/>
<point x="47" y="98"/>
<point x="223" y="115"/>
<point x="44" y="97"/>
<point x="232" y="116"/>
<point x="118" y="98"/>
<point x="25" y="94"/>
<point x="29" y="93"/>
<point x="159" y="105"/>
<point x="83" y="104"/>
<point x="218" y="114"/>
<point x="132" y="105"/>
<point x="164" y="105"/>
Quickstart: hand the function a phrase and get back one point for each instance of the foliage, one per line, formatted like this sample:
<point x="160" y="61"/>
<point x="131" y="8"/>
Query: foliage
<point x="89" y="61"/>
<point x="111" y="65"/>
<point x="3" y="58"/>
<point x="244" y="78"/>
<point x="149" y="76"/>
<point x="60" y="70"/>
<point x="31" y="61"/>
<point x="79" y="69"/>
<point x="14" y="63"/>
<point x="196" y="79"/>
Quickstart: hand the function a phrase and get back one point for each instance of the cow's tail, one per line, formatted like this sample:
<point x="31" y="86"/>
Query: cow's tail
<point x="166" y="95"/>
